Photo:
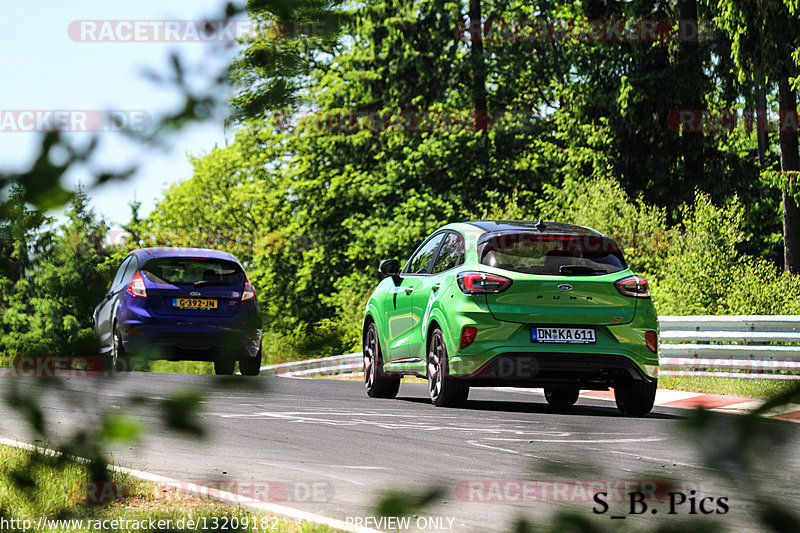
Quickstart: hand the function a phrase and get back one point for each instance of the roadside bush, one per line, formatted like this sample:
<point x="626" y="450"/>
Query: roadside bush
<point x="640" y="229"/>
<point x="694" y="267"/>
<point x="50" y="310"/>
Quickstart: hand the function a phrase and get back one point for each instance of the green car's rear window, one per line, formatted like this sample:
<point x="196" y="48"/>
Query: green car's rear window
<point x="553" y="254"/>
<point x="193" y="271"/>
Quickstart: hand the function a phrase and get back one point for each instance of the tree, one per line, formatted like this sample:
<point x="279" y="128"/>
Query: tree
<point x="19" y="230"/>
<point x="49" y="311"/>
<point x="765" y="34"/>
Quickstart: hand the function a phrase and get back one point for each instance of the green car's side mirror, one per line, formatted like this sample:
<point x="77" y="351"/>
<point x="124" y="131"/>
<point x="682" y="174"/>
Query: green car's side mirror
<point x="390" y="267"/>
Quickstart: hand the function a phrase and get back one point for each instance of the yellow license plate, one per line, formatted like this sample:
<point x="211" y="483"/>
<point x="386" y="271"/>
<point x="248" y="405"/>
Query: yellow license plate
<point x="194" y="303"/>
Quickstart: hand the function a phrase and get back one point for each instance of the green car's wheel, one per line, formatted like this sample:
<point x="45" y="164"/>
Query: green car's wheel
<point x="561" y="397"/>
<point x="445" y="390"/>
<point x="636" y="398"/>
<point x="378" y="384"/>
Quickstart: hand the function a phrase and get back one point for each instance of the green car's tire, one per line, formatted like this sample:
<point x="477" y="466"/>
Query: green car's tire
<point x="445" y="391"/>
<point x="378" y="384"/>
<point x="636" y="398"/>
<point x="561" y="397"/>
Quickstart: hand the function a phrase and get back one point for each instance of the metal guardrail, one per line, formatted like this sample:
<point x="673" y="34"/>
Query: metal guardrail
<point x="739" y="346"/>
<point x="348" y="364"/>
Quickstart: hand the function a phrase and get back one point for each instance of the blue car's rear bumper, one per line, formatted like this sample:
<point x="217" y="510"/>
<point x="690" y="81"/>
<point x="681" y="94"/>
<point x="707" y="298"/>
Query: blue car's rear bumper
<point x="189" y="338"/>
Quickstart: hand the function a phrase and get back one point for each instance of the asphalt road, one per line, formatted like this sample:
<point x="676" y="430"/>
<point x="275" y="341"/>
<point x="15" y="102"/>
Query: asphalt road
<point x="324" y="447"/>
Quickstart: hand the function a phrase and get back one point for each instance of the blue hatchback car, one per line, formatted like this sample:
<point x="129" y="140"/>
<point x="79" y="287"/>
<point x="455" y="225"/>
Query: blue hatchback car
<point x="181" y="304"/>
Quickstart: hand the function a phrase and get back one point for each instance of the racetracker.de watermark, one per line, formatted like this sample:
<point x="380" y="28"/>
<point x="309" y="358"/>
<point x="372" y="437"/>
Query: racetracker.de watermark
<point x="403" y="523"/>
<point x="238" y="491"/>
<point x="497" y="31"/>
<point x="561" y="491"/>
<point x="175" y="31"/>
<point x="729" y="120"/>
<point x="352" y="121"/>
<point x="52" y="366"/>
<point x="74" y="120"/>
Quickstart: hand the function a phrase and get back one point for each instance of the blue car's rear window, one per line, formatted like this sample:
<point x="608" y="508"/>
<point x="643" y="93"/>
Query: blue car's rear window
<point x="193" y="271"/>
<point x="552" y="254"/>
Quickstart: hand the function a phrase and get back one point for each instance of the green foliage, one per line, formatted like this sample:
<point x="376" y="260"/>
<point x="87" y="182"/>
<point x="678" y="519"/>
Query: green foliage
<point x="49" y="310"/>
<point x="180" y="412"/>
<point x="269" y="71"/>
<point x="312" y="206"/>
<point x="705" y="274"/>
<point x="39" y="485"/>
<point x="695" y="266"/>
<point x="639" y="228"/>
<point x="401" y="503"/>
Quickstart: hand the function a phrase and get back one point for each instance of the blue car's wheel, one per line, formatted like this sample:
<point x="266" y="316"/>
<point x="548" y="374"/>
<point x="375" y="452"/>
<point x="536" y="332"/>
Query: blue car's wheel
<point x="250" y="366"/>
<point x="378" y="384"/>
<point x="120" y="361"/>
<point x="224" y="365"/>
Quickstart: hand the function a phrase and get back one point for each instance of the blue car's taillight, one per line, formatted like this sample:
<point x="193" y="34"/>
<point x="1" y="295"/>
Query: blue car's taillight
<point x="136" y="286"/>
<point x="249" y="292"/>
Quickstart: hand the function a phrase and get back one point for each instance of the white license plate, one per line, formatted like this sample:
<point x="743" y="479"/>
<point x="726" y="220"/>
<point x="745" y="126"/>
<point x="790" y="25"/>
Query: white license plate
<point x="563" y="335"/>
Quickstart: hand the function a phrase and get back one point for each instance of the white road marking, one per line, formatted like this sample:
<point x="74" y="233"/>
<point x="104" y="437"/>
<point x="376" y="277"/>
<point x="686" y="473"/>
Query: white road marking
<point x="315" y="472"/>
<point x="341" y="413"/>
<point x="516" y="452"/>
<point x="656" y="459"/>
<point x="584" y="441"/>
<point x="296" y="417"/>
<point x="356" y="467"/>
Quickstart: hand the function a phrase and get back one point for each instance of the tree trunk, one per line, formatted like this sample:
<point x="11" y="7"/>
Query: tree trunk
<point x="761" y="117"/>
<point x="790" y="162"/>
<point x="690" y="59"/>
<point x="478" y="66"/>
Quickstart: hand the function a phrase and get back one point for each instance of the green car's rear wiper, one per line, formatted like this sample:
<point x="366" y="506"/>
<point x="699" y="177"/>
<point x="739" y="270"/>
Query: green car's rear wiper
<point x="579" y="270"/>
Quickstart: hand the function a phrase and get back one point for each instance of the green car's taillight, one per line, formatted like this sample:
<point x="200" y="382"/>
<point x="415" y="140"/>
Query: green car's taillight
<point x="635" y="286"/>
<point x="468" y="334"/>
<point x="651" y="340"/>
<point x="481" y="283"/>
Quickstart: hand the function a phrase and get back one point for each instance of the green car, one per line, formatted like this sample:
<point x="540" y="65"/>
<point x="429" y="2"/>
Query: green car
<point x="522" y="304"/>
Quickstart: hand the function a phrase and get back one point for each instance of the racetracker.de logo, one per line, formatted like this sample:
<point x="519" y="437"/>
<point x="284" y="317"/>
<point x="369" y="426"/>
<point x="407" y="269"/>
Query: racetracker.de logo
<point x="166" y="31"/>
<point x="73" y="120"/>
<point x="50" y="366"/>
<point x="268" y="491"/>
<point x="556" y="30"/>
<point x="551" y="491"/>
<point x="728" y="120"/>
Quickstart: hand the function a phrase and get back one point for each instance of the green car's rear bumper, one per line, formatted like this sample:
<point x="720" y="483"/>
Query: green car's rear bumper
<point x="503" y="354"/>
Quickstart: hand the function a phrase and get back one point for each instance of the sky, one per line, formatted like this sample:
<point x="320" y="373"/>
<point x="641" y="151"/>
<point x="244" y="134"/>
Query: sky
<point x="48" y="65"/>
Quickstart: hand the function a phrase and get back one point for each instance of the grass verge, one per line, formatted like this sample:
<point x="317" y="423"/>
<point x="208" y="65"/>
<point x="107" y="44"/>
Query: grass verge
<point x="749" y="388"/>
<point x="35" y="487"/>
<point x="182" y="367"/>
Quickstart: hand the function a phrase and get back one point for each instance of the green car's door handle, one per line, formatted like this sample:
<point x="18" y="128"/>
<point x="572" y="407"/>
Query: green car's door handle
<point x="436" y="287"/>
<point x="409" y="290"/>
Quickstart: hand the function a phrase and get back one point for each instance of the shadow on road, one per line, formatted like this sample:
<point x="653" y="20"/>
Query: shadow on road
<point x="505" y="406"/>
